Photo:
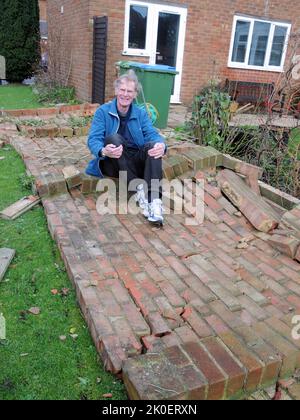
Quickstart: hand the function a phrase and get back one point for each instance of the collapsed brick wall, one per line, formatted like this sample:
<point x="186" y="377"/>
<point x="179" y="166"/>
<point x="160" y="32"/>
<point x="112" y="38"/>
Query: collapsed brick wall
<point x="209" y="27"/>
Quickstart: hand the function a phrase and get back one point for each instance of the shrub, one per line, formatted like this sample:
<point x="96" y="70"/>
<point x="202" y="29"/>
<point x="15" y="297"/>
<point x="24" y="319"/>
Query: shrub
<point x="210" y="116"/>
<point x="19" y="37"/>
<point x="50" y="93"/>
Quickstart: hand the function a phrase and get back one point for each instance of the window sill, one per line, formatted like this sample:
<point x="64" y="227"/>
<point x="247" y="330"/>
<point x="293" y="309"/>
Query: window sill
<point x="135" y="54"/>
<point x="257" y="68"/>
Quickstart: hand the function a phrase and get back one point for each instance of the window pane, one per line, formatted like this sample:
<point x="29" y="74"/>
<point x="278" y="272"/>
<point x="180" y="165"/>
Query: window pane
<point x="240" y="41"/>
<point x="278" y="45"/>
<point x="259" y="43"/>
<point x="43" y="29"/>
<point x="138" y="27"/>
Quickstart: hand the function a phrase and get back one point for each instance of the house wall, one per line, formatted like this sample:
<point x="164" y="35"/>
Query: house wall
<point x="43" y="9"/>
<point x="208" y="36"/>
<point x="70" y="45"/>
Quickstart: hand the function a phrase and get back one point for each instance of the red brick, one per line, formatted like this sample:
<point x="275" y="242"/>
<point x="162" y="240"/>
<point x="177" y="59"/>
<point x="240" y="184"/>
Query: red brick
<point x="260" y="215"/>
<point x="174" y="298"/>
<point x="177" y="357"/>
<point x="212" y="203"/>
<point x="47" y="111"/>
<point x="215" y="378"/>
<point x="177" y="266"/>
<point x="278" y="302"/>
<point x="291" y="274"/>
<point x="171" y="340"/>
<point x="147" y="285"/>
<point x="236" y="374"/>
<point x="215" y="192"/>
<point x="194" y="382"/>
<point x="128" y="340"/>
<point x="186" y="334"/>
<point x="99" y="326"/>
<point x="288" y="262"/>
<point x="285" y="331"/>
<point x="266" y="353"/>
<point x="198" y="325"/>
<point x="217" y="324"/>
<point x="286" y="350"/>
<point x="153" y="343"/>
<point x="270" y="272"/>
<point x="251" y="362"/>
<point x="157" y="324"/>
<point x="135" y="319"/>
<point x="294" y="300"/>
<point x="112" y="354"/>
<point x="285" y="244"/>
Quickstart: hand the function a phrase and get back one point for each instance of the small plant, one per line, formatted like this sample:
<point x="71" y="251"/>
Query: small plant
<point x="75" y="121"/>
<point x="26" y="181"/>
<point x="33" y="122"/>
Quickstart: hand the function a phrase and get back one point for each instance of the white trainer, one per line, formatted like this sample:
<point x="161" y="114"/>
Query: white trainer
<point x="156" y="211"/>
<point x="141" y="200"/>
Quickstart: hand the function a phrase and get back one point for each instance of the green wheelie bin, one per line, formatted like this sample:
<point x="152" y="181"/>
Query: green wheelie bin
<point x="157" y="84"/>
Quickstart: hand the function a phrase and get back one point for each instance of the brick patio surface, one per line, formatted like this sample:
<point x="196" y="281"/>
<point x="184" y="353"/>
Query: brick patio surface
<point x="183" y="312"/>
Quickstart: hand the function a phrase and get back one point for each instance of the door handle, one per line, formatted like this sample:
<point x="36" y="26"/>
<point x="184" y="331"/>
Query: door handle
<point x="157" y="52"/>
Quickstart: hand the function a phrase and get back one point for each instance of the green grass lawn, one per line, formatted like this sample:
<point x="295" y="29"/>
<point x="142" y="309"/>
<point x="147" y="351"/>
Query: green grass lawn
<point x="34" y="362"/>
<point x="17" y="96"/>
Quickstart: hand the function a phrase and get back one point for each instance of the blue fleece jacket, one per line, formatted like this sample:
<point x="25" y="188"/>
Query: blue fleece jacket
<point x="106" y="122"/>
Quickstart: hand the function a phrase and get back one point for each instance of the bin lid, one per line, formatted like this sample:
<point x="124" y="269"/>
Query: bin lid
<point x="157" y="68"/>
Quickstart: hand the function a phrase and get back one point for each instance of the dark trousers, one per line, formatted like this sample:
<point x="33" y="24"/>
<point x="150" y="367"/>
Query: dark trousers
<point x="137" y="163"/>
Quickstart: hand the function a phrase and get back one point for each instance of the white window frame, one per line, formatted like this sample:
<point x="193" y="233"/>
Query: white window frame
<point x="266" y="66"/>
<point x="135" y="51"/>
<point x="44" y="37"/>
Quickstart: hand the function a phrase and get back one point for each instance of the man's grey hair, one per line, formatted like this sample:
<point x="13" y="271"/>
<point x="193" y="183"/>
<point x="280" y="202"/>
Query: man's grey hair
<point x="130" y="76"/>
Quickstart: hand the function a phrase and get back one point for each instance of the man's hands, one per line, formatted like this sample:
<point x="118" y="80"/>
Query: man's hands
<point x="115" y="152"/>
<point x="112" y="151"/>
<point x="157" y="151"/>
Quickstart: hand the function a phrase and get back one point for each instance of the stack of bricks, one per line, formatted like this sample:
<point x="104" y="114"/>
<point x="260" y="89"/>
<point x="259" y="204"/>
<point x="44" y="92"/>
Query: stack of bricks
<point x="203" y="158"/>
<point x="190" y="159"/>
<point x="53" y="130"/>
<point x="49" y="184"/>
<point x="85" y="109"/>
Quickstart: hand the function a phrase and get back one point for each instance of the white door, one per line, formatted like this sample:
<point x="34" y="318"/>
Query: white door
<point x="157" y="31"/>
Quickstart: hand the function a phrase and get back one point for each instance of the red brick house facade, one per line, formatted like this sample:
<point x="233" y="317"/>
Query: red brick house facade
<point x="234" y="39"/>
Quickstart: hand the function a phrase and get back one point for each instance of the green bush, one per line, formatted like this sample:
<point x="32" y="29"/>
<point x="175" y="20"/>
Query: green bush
<point x="54" y="94"/>
<point x="210" y="116"/>
<point x="20" y="38"/>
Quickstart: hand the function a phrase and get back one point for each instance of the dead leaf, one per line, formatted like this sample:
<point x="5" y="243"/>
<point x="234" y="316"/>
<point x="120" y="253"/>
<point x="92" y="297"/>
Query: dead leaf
<point x="62" y="338"/>
<point x="72" y="330"/>
<point x="34" y="310"/>
<point x="54" y="291"/>
<point x="24" y="354"/>
<point x="74" y="336"/>
<point x="65" y="291"/>
<point x="107" y="395"/>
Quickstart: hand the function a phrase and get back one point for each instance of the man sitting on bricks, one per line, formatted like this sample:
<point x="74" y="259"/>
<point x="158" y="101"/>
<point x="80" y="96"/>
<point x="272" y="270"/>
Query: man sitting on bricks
<point x="123" y="138"/>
